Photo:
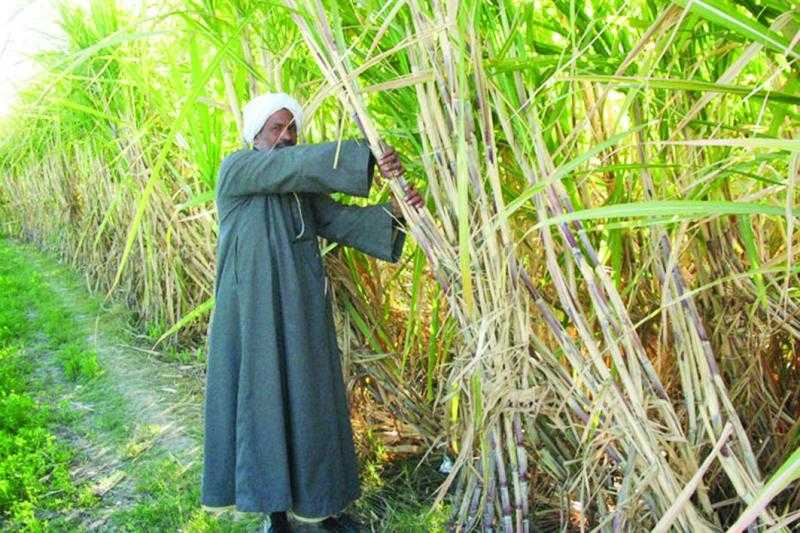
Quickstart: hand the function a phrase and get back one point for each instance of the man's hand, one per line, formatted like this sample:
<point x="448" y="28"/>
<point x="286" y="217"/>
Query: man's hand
<point x="391" y="167"/>
<point x="390" y="164"/>
<point x="412" y="198"/>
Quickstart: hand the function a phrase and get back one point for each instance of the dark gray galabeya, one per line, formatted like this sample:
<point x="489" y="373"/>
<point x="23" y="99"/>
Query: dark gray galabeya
<point x="277" y="430"/>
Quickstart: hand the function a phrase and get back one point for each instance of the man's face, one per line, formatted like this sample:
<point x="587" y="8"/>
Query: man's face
<point x="279" y="131"/>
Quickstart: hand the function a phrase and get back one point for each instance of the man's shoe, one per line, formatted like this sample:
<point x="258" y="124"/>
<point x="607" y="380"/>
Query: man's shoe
<point x="342" y="523"/>
<point x="278" y="523"/>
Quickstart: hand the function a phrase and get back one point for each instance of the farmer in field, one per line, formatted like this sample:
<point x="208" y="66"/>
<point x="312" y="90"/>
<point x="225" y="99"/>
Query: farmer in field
<point x="277" y="431"/>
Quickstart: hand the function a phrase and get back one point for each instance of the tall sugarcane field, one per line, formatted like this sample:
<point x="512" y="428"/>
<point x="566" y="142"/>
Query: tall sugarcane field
<point x="594" y="324"/>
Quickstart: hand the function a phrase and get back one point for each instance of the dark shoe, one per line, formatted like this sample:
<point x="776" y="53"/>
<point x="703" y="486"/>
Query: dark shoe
<point x="342" y="523"/>
<point x="278" y="523"/>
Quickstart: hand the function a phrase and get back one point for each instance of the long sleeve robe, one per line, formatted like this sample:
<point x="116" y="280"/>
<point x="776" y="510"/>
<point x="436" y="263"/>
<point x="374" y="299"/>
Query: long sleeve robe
<point x="277" y="429"/>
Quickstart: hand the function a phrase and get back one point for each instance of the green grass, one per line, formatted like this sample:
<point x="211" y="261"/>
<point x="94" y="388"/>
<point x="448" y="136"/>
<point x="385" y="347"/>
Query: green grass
<point x="34" y="464"/>
<point x="391" y="494"/>
<point x="36" y="492"/>
<point x="168" y="494"/>
<point x="78" y="362"/>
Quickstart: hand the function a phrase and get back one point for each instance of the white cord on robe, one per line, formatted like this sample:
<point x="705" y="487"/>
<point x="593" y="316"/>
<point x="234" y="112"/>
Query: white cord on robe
<point x="303" y="229"/>
<point x="302" y="222"/>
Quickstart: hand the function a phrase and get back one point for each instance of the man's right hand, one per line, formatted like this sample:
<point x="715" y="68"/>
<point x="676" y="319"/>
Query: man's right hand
<point x="390" y="164"/>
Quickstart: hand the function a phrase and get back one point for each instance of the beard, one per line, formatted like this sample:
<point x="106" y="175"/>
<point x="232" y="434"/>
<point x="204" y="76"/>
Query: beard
<point x="283" y="144"/>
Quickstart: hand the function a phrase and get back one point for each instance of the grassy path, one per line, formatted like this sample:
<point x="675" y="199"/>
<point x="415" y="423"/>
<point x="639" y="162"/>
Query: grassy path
<point x="124" y="426"/>
<point x="97" y="432"/>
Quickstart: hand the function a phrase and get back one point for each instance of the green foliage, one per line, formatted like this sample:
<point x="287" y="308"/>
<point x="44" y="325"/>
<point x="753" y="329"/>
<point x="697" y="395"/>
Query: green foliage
<point x="55" y="323"/>
<point x="12" y="380"/>
<point x="412" y="520"/>
<point x="79" y="363"/>
<point x="17" y="411"/>
<point x="169" y="494"/>
<point x="34" y="464"/>
<point x="401" y="489"/>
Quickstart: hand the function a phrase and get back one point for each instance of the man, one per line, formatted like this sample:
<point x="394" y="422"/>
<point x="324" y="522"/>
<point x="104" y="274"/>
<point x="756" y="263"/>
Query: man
<point x="277" y="431"/>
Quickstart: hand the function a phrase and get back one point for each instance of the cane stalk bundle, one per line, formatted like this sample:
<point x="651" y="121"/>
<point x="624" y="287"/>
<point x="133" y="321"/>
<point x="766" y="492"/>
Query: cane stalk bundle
<point x="641" y="433"/>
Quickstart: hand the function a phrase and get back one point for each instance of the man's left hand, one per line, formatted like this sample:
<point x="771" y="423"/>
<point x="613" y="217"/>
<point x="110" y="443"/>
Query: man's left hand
<point x="412" y="198"/>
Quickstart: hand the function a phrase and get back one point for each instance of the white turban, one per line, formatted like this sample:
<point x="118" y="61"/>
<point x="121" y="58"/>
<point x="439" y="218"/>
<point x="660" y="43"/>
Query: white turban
<point x="259" y="109"/>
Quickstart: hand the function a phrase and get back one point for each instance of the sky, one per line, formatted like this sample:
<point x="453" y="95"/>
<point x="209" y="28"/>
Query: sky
<point x="26" y="27"/>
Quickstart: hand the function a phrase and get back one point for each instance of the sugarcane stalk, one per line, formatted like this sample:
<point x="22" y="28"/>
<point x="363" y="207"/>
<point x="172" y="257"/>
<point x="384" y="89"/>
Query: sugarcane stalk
<point x="513" y="455"/>
<point x="744" y="480"/>
<point x="491" y="494"/>
<point x="502" y="481"/>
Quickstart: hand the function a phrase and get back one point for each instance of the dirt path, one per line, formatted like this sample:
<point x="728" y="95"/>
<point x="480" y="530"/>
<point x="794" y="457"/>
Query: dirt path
<point x="157" y="411"/>
<point x="136" y="428"/>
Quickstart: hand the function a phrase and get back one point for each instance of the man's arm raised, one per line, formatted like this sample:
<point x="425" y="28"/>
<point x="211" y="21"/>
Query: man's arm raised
<point x="305" y="168"/>
<point x="371" y="229"/>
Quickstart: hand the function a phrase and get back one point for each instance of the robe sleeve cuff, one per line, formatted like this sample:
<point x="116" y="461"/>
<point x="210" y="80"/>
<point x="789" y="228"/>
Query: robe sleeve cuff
<point x="363" y="163"/>
<point x="397" y="236"/>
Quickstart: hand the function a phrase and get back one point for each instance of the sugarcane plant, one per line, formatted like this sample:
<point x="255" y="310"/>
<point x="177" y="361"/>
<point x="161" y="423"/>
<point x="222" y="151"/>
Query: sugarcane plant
<point x="601" y="373"/>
